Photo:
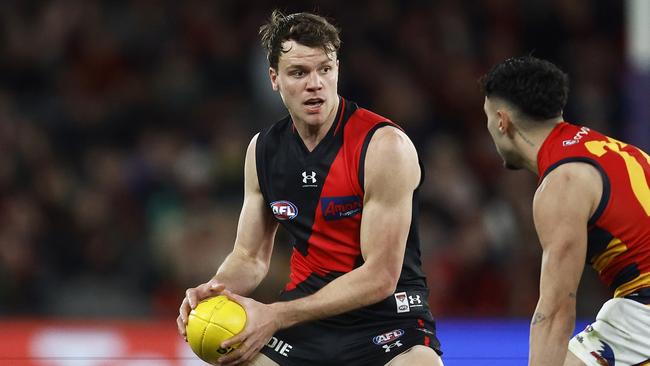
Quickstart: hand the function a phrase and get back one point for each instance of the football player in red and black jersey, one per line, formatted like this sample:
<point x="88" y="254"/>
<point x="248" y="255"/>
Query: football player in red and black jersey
<point x="343" y="181"/>
<point x="592" y="205"/>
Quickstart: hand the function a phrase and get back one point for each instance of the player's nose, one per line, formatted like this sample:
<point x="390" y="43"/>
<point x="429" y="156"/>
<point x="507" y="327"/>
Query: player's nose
<point x="314" y="81"/>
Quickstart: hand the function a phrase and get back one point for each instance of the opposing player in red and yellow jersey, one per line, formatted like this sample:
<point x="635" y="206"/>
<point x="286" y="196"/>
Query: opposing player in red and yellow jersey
<point x="592" y="204"/>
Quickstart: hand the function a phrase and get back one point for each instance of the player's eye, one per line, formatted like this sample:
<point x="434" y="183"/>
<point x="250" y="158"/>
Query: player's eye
<point x="297" y="73"/>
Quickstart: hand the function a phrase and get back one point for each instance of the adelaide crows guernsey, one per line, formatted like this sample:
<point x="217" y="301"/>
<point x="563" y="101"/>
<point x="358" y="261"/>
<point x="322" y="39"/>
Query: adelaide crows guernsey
<point x="619" y="230"/>
<point x="318" y="197"/>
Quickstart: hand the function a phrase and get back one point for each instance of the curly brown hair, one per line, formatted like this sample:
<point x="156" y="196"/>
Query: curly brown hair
<point x="308" y="29"/>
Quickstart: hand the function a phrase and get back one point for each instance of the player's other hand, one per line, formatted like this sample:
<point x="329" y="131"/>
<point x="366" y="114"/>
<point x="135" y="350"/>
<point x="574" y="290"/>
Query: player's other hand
<point x="261" y="323"/>
<point x="192" y="298"/>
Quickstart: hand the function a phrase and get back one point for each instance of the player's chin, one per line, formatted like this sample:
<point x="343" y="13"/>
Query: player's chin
<point x="314" y="119"/>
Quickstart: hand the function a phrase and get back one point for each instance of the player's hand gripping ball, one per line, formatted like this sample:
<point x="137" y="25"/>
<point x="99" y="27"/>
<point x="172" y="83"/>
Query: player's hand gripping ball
<point x="213" y="321"/>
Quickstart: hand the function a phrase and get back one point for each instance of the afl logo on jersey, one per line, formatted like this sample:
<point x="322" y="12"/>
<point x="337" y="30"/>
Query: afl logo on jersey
<point x="284" y="210"/>
<point x="388" y="337"/>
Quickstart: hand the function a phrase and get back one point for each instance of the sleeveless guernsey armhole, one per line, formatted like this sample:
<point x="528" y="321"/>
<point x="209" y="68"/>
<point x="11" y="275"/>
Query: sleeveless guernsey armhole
<point x="604" y="198"/>
<point x="364" y="149"/>
<point x="259" y="162"/>
<point x="422" y="173"/>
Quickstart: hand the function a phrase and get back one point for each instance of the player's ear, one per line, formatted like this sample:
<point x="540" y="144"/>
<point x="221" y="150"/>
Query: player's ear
<point x="273" y="75"/>
<point x="504" y="123"/>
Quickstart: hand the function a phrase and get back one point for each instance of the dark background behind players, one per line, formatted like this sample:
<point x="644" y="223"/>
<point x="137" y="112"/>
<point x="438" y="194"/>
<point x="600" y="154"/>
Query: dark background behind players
<point x="123" y="127"/>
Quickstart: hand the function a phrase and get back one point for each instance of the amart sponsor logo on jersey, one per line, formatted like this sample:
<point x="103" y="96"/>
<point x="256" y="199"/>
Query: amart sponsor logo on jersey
<point x="284" y="210"/>
<point x="337" y="208"/>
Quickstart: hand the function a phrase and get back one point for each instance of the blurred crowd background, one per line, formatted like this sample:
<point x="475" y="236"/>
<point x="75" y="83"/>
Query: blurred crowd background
<point x="124" y="124"/>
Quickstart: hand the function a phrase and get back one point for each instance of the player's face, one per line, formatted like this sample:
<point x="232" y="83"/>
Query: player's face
<point x="307" y="79"/>
<point x="498" y="132"/>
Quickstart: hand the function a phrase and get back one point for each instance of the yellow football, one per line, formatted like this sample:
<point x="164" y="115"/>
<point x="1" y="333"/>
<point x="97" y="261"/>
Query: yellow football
<point x="213" y="321"/>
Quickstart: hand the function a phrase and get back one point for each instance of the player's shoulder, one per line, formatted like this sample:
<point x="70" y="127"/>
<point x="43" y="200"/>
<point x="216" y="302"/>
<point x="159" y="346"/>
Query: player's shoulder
<point x="391" y="138"/>
<point x="570" y="181"/>
<point x="388" y="140"/>
<point x="391" y="150"/>
<point x="253" y="142"/>
<point x="573" y="172"/>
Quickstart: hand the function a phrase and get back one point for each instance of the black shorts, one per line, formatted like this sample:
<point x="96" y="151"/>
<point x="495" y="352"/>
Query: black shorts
<point x="371" y="343"/>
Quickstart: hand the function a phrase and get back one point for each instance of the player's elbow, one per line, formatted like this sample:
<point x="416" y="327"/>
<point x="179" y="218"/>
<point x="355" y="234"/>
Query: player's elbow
<point x="380" y="290"/>
<point x="387" y="290"/>
<point x="260" y="271"/>
<point x="382" y="277"/>
<point x="386" y="283"/>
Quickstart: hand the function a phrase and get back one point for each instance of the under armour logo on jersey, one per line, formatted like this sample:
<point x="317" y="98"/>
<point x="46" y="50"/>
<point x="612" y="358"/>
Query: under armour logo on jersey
<point x="309" y="180"/>
<point x="389" y="347"/>
<point x="415" y="300"/>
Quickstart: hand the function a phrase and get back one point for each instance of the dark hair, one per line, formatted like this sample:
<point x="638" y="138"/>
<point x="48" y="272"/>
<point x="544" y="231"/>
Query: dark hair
<point x="537" y="87"/>
<point x="308" y="29"/>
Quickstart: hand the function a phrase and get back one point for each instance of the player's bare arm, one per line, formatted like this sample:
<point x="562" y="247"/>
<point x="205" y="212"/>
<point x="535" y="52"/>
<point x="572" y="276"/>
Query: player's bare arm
<point x="562" y="206"/>
<point x="247" y="265"/>
<point x="391" y="175"/>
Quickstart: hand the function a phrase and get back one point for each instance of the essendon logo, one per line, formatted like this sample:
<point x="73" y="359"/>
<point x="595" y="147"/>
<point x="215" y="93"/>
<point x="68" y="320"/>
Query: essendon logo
<point x="387" y="337"/>
<point x="336" y="208"/>
<point x="284" y="210"/>
<point x="402" y="303"/>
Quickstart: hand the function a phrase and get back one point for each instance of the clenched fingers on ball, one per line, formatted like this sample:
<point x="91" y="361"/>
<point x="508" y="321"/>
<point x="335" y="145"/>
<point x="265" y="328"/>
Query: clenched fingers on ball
<point x="244" y="353"/>
<point x="190" y="296"/>
<point x="181" y="327"/>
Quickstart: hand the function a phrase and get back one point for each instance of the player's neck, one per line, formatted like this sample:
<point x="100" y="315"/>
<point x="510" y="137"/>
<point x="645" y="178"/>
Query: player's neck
<point x="531" y="141"/>
<point x="313" y="134"/>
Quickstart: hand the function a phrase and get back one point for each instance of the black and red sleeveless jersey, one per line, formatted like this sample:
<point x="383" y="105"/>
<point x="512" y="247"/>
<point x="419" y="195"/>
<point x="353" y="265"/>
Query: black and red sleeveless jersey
<point x="619" y="230"/>
<point x="318" y="196"/>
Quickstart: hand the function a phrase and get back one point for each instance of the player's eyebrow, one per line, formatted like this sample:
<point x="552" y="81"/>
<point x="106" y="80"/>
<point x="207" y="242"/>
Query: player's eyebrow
<point x="297" y="66"/>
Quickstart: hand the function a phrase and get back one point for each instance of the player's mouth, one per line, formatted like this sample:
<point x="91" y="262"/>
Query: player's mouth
<point x="313" y="105"/>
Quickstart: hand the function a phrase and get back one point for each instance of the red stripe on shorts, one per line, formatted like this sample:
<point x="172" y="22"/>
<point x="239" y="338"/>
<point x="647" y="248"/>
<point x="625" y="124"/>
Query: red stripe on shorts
<point x="427" y="340"/>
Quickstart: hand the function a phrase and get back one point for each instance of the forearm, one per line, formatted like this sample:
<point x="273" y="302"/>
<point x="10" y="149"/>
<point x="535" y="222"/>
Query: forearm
<point x="241" y="273"/>
<point x="358" y="288"/>
<point x="549" y="335"/>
